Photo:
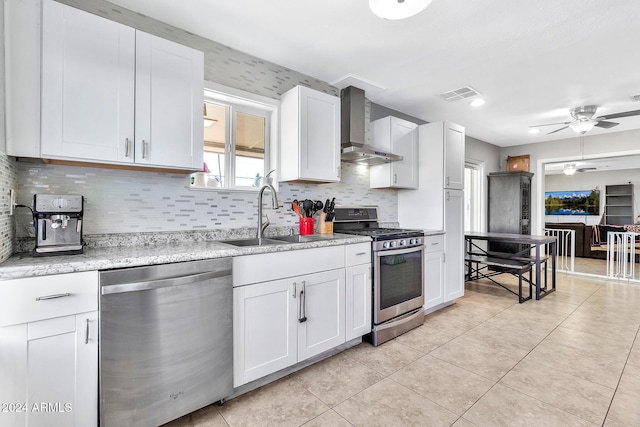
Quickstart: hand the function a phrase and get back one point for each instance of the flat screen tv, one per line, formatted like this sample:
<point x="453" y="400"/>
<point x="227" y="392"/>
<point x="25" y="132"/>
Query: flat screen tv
<point x="572" y="202"/>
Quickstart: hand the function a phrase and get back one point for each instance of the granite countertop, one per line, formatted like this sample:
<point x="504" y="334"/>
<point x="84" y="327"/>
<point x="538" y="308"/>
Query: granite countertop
<point x="105" y="258"/>
<point x="432" y="232"/>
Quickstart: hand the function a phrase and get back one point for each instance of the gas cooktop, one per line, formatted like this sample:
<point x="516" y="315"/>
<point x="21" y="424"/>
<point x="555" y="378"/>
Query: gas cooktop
<point x="383" y="233"/>
<point x="363" y="221"/>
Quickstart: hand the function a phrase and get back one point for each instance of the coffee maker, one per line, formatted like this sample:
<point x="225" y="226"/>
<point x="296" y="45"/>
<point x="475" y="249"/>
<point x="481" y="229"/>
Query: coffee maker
<point x="58" y="222"/>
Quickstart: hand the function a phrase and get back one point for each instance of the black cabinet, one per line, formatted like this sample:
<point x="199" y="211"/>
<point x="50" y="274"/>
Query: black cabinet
<point x="509" y="209"/>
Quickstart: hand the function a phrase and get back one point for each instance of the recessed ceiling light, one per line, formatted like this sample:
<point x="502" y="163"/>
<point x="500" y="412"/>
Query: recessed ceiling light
<point x="534" y="130"/>
<point x="477" y="102"/>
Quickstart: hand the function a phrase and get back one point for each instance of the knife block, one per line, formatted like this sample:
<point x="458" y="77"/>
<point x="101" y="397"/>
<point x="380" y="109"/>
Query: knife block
<point x="324" y="227"/>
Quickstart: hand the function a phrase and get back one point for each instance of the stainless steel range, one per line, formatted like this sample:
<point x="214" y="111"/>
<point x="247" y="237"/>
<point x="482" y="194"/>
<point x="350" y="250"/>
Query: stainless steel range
<point x="398" y="271"/>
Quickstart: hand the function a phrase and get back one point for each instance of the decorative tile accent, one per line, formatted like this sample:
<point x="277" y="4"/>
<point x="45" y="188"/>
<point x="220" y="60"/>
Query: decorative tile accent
<point x="8" y="180"/>
<point x="222" y="64"/>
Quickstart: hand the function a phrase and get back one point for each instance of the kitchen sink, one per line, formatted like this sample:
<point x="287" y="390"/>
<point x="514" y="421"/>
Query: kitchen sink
<point x="252" y="242"/>
<point x="294" y="239"/>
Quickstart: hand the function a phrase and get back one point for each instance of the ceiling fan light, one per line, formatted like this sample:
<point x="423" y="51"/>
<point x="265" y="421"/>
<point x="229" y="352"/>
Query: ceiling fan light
<point x="583" y="126"/>
<point x="397" y="9"/>
<point x="569" y="168"/>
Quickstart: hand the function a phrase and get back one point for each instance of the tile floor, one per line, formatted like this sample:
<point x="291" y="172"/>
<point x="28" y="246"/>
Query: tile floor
<point x="570" y="359"/>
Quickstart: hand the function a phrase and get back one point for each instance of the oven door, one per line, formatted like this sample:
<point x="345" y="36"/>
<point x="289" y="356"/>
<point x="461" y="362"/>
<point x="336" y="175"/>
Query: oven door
<point x="398" y="277"/>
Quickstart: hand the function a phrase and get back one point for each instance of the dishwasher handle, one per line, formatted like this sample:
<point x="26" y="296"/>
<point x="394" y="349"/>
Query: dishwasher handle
<point x="162" y="283"/>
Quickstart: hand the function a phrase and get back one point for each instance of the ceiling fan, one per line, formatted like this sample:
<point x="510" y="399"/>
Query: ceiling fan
<point x="583" y="120"/>
<point x="570" y="169"/>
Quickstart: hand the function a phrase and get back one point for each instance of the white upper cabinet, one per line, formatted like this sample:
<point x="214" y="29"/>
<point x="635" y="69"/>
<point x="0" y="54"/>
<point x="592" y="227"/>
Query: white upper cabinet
<point x="309" y="136"/>
<point x="397" y="136"/>
<point x="109" y="93"/>
<point x="169" y="100"/>
<point x="88" y="70"/>
<point x="453" y="138"/>
<point x="441" y="164"/>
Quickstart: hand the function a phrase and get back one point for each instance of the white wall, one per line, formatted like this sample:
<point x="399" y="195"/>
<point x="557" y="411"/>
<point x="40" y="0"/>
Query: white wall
<point x="590" y="180"/>
<point x="587" y="147"/>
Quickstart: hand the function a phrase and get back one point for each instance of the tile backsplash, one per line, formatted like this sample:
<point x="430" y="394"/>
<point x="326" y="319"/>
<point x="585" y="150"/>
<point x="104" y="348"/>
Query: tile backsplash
<point x="120" y="201"/>
<point x="8" y="180"/>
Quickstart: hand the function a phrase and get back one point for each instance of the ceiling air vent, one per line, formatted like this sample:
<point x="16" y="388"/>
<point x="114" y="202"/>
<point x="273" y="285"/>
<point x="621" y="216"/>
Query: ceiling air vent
<point x="635" y="98"/>
<point x="464" y="92"/>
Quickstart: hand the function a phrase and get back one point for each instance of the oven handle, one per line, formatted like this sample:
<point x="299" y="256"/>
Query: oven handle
<point x="400" y="251"/>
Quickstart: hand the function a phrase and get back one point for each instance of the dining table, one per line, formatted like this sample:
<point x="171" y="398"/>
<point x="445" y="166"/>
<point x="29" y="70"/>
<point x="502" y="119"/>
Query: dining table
<point x="531" y="242"/>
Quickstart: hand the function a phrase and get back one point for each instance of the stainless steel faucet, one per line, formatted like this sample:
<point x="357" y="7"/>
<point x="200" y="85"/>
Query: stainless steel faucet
<point x="274" y="202"/>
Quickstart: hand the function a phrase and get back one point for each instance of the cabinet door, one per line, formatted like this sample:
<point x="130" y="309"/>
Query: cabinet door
<point x="309" y="136"/>
<point x="399" y="137"/>
<point x="454" y="245"/>
<point x="169" y="102"/>
<point x="404" y="136"/>
<point x="265" y="329"/>
<point x="88" y="65"/>
<point x="320" y="298"/>
<point x="358" y="301"/>
<point x="54" y="370"/>
<point x="453" y="156"/>
<point x="433" y="279"/>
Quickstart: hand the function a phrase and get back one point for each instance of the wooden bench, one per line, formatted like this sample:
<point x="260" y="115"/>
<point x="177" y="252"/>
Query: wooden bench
<point x="477" y="263"/>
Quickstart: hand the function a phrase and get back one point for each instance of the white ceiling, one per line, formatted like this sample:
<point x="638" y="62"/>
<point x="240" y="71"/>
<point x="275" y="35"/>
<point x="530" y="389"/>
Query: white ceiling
<point x="532" y="60"/>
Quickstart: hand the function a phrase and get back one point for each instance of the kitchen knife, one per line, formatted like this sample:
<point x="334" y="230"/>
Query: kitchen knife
<point x="326" y="206"/>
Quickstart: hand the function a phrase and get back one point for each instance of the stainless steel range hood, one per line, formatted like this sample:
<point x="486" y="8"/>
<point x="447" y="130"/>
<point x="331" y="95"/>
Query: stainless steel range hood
<point x="354" y="149"/>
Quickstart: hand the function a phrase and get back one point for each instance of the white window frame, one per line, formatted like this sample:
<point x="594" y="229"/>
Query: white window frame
<point x="477" y="194"/>
<point x="250" y="103"/>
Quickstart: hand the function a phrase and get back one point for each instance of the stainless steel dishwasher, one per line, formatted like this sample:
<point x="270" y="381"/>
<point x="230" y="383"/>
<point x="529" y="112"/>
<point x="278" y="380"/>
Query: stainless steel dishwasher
<point x="166" y="341"/>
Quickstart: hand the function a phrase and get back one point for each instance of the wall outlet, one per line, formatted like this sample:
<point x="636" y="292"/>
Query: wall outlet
<point x="12" y="201"/>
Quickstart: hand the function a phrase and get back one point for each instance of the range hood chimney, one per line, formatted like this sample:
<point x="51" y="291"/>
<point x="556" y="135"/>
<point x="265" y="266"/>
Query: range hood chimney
<point x="354" y="149"/>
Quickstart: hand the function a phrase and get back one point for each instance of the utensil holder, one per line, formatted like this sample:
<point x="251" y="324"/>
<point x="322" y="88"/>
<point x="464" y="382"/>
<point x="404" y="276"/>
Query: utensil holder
<point x="324" y="227"/>
<point x="306" y="226"/>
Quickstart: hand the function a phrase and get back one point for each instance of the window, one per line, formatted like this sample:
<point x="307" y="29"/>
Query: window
<point x="237" y="135"/>
<point x="472" y="197"/>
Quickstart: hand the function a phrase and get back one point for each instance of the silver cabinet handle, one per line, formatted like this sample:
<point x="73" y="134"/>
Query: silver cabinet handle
<point x="294" y="289"/>
<point x="447" y="181"/>
<point x="86" y="333"/>
<point x="127" y="147"/>
<point x="145" y="148"/>
<point x="448" y="196"/>
<point x="434" y="243"/>
<point x="361" y="253"/>
<point x="395" y="178"/>
<point x="303" y="304"/>
<point x="46" y="297"/>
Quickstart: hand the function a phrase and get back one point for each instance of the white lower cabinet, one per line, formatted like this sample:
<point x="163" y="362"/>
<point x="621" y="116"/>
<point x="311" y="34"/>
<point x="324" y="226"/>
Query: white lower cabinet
<point x="454" y="244"/>
<point x="433" y="271"/>
<point x="282" y="322"/>
<point x="49" y="365"/>
<point x="289" y="307"/>
<point x="358" y="290"/>
<point x="265" y="330"/>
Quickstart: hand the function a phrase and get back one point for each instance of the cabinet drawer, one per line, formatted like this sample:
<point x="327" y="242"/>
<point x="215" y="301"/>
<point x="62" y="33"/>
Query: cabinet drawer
<point x="358" y="254"/>
<point x="434" y="243"/>
<point x="38" y="298"/>
<point x="250" y="269"/>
